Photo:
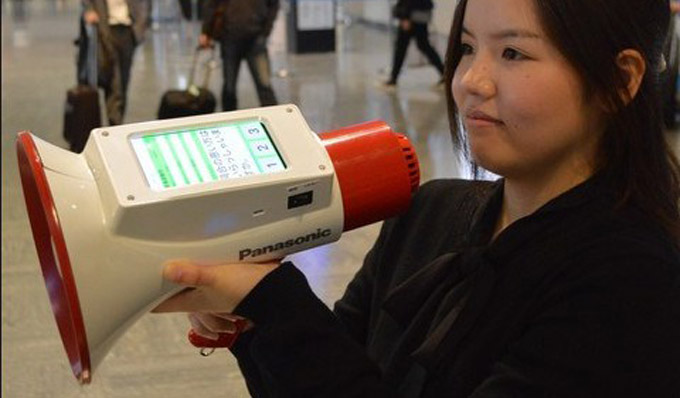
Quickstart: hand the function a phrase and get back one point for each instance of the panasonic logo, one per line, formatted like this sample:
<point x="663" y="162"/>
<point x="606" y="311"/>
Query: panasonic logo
<point x="255" y="252"/>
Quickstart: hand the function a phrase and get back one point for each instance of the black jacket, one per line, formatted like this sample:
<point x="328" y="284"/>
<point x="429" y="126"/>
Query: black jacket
<point x="575" y="300"/>
<point x="239" y="19"/>
<point x="404" y="8"/>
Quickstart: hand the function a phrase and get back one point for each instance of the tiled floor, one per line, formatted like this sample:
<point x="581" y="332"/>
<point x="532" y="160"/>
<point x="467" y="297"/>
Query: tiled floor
<point x="154" y="359"/>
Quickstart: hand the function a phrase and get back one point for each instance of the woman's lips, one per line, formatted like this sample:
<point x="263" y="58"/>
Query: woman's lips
<point x="480" y="119"/>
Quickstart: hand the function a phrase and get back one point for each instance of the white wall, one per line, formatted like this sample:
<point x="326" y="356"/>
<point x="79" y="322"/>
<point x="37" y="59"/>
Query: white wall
<point x="442" y="16"/>
<point x="377" y="10"/>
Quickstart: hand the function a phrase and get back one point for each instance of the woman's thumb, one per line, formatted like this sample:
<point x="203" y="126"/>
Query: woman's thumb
<point x="186" y="273"/>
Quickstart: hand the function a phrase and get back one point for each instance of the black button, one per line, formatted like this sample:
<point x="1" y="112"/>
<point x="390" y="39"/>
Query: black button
<point x="301" y="199"/>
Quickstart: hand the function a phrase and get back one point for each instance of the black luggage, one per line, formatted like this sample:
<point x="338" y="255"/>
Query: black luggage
<point x="178" y="103"/>
<point x="81" y="115"/>
<point x="192" y="101"/>
<point x="81" y="111"/>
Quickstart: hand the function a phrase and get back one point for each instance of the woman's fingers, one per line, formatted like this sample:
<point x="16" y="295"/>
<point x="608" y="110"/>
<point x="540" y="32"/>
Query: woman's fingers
<point x="215" y="323"/>
<point x="228" y="317"/>
<point x="201" y="328"/>
<point x="209" y="325"/>
<point x="247" y="324"/>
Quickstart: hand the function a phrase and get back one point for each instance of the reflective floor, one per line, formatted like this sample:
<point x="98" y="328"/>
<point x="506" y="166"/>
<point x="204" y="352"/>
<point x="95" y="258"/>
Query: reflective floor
<point x="154" y="358"/>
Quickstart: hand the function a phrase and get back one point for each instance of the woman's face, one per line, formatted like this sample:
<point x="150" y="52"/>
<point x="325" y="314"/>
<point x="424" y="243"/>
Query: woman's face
<point x="521" y="103"/>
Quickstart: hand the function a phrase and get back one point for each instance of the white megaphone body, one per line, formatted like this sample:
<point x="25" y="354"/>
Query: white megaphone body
<point x="238" y="186"/>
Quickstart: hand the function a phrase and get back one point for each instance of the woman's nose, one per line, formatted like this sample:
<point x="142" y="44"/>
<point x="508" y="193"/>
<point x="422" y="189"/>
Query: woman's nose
<point x="477" y="79"/>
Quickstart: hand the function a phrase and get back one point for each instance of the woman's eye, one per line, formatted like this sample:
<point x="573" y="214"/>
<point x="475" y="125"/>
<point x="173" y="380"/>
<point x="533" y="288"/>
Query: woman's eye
<point x="512" y="54"/>
<point x="466" y="49"/>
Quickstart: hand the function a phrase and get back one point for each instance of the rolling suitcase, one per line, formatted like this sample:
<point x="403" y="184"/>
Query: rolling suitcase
<point x="82" y="112"/>
<point x="192" y="101"/>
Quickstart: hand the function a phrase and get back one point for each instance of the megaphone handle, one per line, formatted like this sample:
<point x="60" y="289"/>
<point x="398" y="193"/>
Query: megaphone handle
<point x="225" y="340"/>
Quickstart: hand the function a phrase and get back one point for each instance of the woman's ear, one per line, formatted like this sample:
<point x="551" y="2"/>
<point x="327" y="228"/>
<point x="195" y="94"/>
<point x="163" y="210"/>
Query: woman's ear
<point x="633" y="66"/>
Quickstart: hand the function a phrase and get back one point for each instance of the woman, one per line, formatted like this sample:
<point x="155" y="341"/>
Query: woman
<point x="559" y="280"/>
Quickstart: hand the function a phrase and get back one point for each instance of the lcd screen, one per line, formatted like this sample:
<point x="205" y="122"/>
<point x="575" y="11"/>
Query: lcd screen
<point x="193" y="156"/>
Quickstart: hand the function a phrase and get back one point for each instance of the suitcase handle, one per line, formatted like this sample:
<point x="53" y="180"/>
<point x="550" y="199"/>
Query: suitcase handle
<point x="209" y="67"/>
<point x="86" y="60"/>
<point x="91" y="31"/>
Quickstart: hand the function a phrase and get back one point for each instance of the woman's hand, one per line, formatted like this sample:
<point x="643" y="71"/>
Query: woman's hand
<point x="211" y="288"/>
<point x="211" y="324"/>
<point x="204" y="41"/>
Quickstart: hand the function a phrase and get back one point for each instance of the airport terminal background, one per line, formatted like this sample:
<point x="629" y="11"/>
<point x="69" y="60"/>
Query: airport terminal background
<point x="333" y="89"/>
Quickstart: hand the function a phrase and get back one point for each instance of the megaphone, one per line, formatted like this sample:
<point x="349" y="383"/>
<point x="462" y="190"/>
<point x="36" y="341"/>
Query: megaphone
<point x="242" y="186"/>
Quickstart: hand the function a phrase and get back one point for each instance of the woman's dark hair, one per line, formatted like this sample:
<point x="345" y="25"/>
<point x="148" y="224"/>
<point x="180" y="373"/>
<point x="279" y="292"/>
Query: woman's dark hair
<point x="633" y="153"/>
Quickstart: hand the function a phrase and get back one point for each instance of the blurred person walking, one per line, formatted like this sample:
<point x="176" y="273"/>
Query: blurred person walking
<point x="414" y="17"/>
<point x="121" y="27"/>
<point x="242" y="28"/>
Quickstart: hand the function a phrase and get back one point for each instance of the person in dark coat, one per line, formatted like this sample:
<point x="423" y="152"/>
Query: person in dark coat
<point x="414" y="17"/>
<point x="121" y="27"/>
<point x="559" y="279"/>
<point x="242" y="28"/>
